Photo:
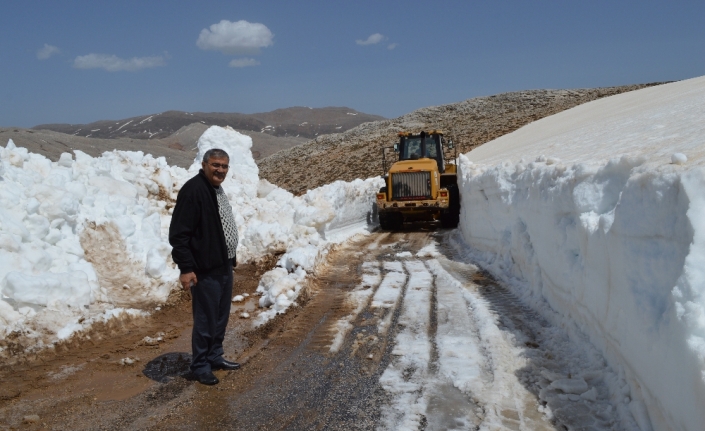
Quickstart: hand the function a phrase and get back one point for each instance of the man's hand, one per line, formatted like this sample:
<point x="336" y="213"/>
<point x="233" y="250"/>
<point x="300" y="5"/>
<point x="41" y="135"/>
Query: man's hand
<point x="187" y="280"/>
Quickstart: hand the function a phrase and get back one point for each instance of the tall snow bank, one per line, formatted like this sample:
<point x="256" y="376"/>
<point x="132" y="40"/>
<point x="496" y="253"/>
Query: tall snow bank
<point x="586" y="211"/>
<point x="83" y="238"/>
<point x="78" y="237"/>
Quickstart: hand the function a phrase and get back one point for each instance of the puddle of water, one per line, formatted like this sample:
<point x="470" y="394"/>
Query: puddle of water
<point x="167" y="366"/>
<point x="250" y="305"/>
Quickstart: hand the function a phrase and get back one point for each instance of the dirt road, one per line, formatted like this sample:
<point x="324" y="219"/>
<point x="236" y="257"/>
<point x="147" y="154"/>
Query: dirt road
<point x="395" y="331"/>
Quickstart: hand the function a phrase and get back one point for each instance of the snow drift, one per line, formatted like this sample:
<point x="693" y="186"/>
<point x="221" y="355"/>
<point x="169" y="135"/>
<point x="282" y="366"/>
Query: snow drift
<point x="599" y="211"/>
<point x="85" y="239"/>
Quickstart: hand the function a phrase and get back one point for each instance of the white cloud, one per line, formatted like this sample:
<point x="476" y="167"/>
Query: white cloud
<point x="392" y="46"/>
<point x="239" y="37"/>
<point x="112" y="63"/>
<point x="243" y="62"/>
<point x="47" y="51"/>
<point x="373" y="39"/>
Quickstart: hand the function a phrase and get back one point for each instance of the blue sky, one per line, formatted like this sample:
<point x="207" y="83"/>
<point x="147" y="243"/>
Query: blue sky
<point x="82" y="61"/>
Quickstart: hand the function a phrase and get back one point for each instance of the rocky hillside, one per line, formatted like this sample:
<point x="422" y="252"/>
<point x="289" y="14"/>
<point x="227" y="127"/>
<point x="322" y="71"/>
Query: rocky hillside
<point x="356" y="153"/>
<point x="296" y="122"/>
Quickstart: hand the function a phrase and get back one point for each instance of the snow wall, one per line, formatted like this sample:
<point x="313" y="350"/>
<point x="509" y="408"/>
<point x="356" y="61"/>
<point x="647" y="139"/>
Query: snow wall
<point x="85" y="239"/>
<point x="599" y="211"/>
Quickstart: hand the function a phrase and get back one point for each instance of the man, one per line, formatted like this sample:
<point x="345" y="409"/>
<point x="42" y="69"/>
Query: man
<point x="204" y="238"/>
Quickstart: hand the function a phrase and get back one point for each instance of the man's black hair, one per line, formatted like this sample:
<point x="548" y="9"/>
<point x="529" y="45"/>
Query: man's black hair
<point x="215" y="152"/>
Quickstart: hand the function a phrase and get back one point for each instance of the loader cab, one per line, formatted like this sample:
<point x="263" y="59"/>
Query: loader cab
<point x="423" y="145"/>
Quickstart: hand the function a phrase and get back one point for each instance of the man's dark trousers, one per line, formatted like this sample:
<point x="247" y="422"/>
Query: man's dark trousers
<point x="211" y="299"/>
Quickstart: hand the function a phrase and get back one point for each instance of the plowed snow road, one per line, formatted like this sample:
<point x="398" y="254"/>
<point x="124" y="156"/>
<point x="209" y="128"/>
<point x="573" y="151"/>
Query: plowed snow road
<point x="398" y="333"/>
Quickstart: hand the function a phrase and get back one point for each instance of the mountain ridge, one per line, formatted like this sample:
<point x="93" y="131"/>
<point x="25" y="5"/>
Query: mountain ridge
<point x="296" y="122"/>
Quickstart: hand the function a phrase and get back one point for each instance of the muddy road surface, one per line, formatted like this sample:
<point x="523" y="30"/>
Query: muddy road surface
<point x="396" y="331"/>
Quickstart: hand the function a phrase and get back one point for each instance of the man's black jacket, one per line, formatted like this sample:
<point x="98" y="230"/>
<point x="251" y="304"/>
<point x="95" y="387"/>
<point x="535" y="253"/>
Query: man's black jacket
<point x="196" y="232"/>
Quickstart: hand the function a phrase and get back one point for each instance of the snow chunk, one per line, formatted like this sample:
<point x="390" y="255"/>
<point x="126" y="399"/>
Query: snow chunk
<point x="678" y="158"/>
<point x="128" y="360"/>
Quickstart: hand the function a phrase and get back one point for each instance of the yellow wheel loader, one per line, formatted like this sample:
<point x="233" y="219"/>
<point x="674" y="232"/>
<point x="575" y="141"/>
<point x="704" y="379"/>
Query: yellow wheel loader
<point x="421" y="185"/>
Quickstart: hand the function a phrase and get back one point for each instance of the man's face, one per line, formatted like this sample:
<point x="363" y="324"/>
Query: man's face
<point x="215" y="170"/>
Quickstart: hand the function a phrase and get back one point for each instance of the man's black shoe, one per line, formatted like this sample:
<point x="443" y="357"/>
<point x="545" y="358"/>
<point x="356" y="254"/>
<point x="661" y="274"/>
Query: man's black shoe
<point x="207" y="379"/>
<point x="226" y="365"/>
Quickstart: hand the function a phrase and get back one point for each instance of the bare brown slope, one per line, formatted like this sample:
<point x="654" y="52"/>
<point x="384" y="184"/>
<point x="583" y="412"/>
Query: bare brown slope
<point x="356" y="153"/>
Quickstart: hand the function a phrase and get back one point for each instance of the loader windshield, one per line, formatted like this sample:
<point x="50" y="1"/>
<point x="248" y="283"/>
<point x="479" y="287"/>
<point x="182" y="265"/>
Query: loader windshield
<point x="413" y="149"/>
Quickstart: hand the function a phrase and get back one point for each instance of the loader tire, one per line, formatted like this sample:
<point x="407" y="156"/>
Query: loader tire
<point x="451" y="217"/>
